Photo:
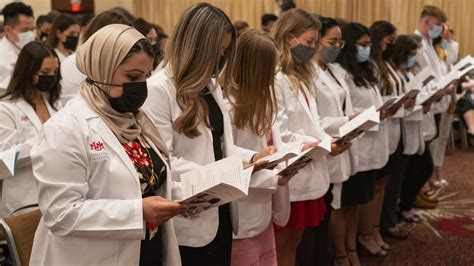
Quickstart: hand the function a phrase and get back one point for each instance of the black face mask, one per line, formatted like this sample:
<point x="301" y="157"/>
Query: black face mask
<point x="388" y="53"/>
<point x="46" y="82"/>
<point x="133" y="96"/>
<point x="71" y="42"/>
<point x="43" y="36"/>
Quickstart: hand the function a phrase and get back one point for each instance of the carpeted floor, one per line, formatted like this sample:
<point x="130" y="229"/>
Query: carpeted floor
<point x="446" y="237"/>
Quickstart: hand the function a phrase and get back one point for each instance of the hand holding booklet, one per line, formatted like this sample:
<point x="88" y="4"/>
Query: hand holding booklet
<point x="360" y="124"/>
<point x="215" y="184"/>
<point x="305" y="157"/>
<point x="442" y="87"/>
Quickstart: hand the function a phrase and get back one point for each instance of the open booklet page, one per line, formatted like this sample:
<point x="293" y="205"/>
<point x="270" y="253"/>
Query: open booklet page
<point x="215" y="184"/>
<point x="360" y="124"/>
<point x="305" y="157"/>
<point x="7" y="162"/>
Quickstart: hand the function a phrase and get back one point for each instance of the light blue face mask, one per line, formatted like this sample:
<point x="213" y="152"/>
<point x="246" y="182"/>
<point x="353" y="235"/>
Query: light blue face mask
<point x="435" y="31"/>
<point x="363" y="54"/>
<point x="444" y="44"/>
<point x="410" y="62"/>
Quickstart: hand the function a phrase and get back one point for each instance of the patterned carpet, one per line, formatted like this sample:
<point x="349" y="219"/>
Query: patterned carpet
<point x="446" y="237"/>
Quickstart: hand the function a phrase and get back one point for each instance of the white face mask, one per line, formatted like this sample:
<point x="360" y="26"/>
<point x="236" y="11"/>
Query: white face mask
<point x="24" y="38"/>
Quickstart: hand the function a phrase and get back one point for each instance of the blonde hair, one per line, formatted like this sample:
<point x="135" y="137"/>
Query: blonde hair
<point x="294" y="22"/>
<point x="253" y="96"/>
<point x="193" y="55"/>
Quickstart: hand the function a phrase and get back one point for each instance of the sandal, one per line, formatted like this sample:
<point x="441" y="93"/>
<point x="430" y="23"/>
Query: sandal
<point x="384" y="246"/>
<point x="378" y="253"/>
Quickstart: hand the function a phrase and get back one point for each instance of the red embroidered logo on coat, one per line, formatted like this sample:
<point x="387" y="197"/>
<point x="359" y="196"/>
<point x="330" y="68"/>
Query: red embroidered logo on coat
<point x="97" y="146"/>
<point x="24" y="118"/>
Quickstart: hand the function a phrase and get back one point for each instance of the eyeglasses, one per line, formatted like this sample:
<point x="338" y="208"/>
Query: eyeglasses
<point x="339" y="44"/>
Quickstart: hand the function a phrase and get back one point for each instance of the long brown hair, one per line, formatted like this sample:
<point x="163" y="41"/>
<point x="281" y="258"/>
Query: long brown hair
<point x="27" y="66"/>
<point x="294" y="22"/>
<point x="194" y="59"/>
<point x="253" y="96"/>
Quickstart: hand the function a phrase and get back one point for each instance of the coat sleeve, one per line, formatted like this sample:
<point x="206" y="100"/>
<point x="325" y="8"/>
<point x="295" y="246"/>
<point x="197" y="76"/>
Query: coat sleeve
<point x="61" y="168"/>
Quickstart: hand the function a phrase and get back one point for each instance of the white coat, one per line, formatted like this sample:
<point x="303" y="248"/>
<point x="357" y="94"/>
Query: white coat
<point x="89" y="195"/>
<point x="20" y="126"/>
<point x="373" y="150"/>
<point x="9" y="54"/>
<point x="394" y="122"/>
<point x="266" y="202"/>
<point x="71" y="78"/>
<point x="412" y="131"/>
<point x="330" y="109"/>
<point x="190" y="153"/>
<point x="298" y="120"/>
<point x="427" y="55"/>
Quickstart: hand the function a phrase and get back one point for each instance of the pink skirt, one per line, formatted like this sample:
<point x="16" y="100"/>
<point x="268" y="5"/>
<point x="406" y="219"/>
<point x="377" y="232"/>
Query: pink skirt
<point x="308" y="213"/>
<point x="256" y="251"/>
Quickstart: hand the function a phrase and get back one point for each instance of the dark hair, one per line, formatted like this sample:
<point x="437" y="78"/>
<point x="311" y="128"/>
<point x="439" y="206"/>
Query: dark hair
<point x="437" y="40"/>
<point x="42" y="19"/>
<point x="85" y="19"/>
<point x="362" y="73"/>
<point x="266" y="18"/>
<point x="287" y="5"/>
<point x="13" y="10"/>
<point x="124" y="12"/>
<point x="327" y="24"/>
<point x="142" y="45"/>
<point x="60" y="23"/>
<point x="103" y="19"/>
<point x="28" y="64"/>
<point x="143" y="26"/>
<point x="159" y="53"/>
<point x="403" y="47"/>
<point x="378" y="31"/>
<point x="53" y="14"/>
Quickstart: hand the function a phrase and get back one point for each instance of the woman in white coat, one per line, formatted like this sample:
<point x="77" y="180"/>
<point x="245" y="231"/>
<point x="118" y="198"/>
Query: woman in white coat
<point x="71" y="76"/>
<point x="252" y="108"/>
<point x="358" y="72"/>
<point x="102" y="168"/>
<point x="296" y="34"/>
<point x="30" y="100"/>
<point x="403" y="59"/>
<point x="335" y="109"/>
<point x="187" y="105"/>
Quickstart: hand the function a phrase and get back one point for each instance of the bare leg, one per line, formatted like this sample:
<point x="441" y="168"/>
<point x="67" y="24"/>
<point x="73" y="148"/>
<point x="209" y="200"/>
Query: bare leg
<point x="469" y="118"/>
<point x="367" y="214"/>
<point x="287" y="240"/>
<point x="379" y="196"/>
<point x="351" y="234"/>
<point x="337" y="230"/>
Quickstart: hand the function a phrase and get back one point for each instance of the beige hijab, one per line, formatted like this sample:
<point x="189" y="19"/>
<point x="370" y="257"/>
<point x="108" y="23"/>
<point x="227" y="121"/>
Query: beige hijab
<point x="98" y="58"/>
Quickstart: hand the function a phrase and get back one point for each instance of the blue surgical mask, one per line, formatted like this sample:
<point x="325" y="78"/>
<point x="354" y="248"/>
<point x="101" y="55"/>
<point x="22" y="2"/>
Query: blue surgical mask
<point x="363" y="54"/>
<point x="410" y="62"/>
<point x="444" y="44"/>
<point x="435" y="31"/>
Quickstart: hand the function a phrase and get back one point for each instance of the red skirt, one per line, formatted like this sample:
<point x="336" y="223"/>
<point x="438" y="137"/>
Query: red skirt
<point x="308" y="213"/>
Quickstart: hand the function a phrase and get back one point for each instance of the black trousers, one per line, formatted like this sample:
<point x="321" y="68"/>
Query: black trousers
<point x="216" y="253"/>
<point x="389" y="218"/>
<point x="314" y="248"/>
<point x="419" y="170"/>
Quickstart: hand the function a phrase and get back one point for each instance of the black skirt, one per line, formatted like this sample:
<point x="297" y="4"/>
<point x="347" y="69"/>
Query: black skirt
<point x="359" y="188"/>
<point x="216" y="253"/>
